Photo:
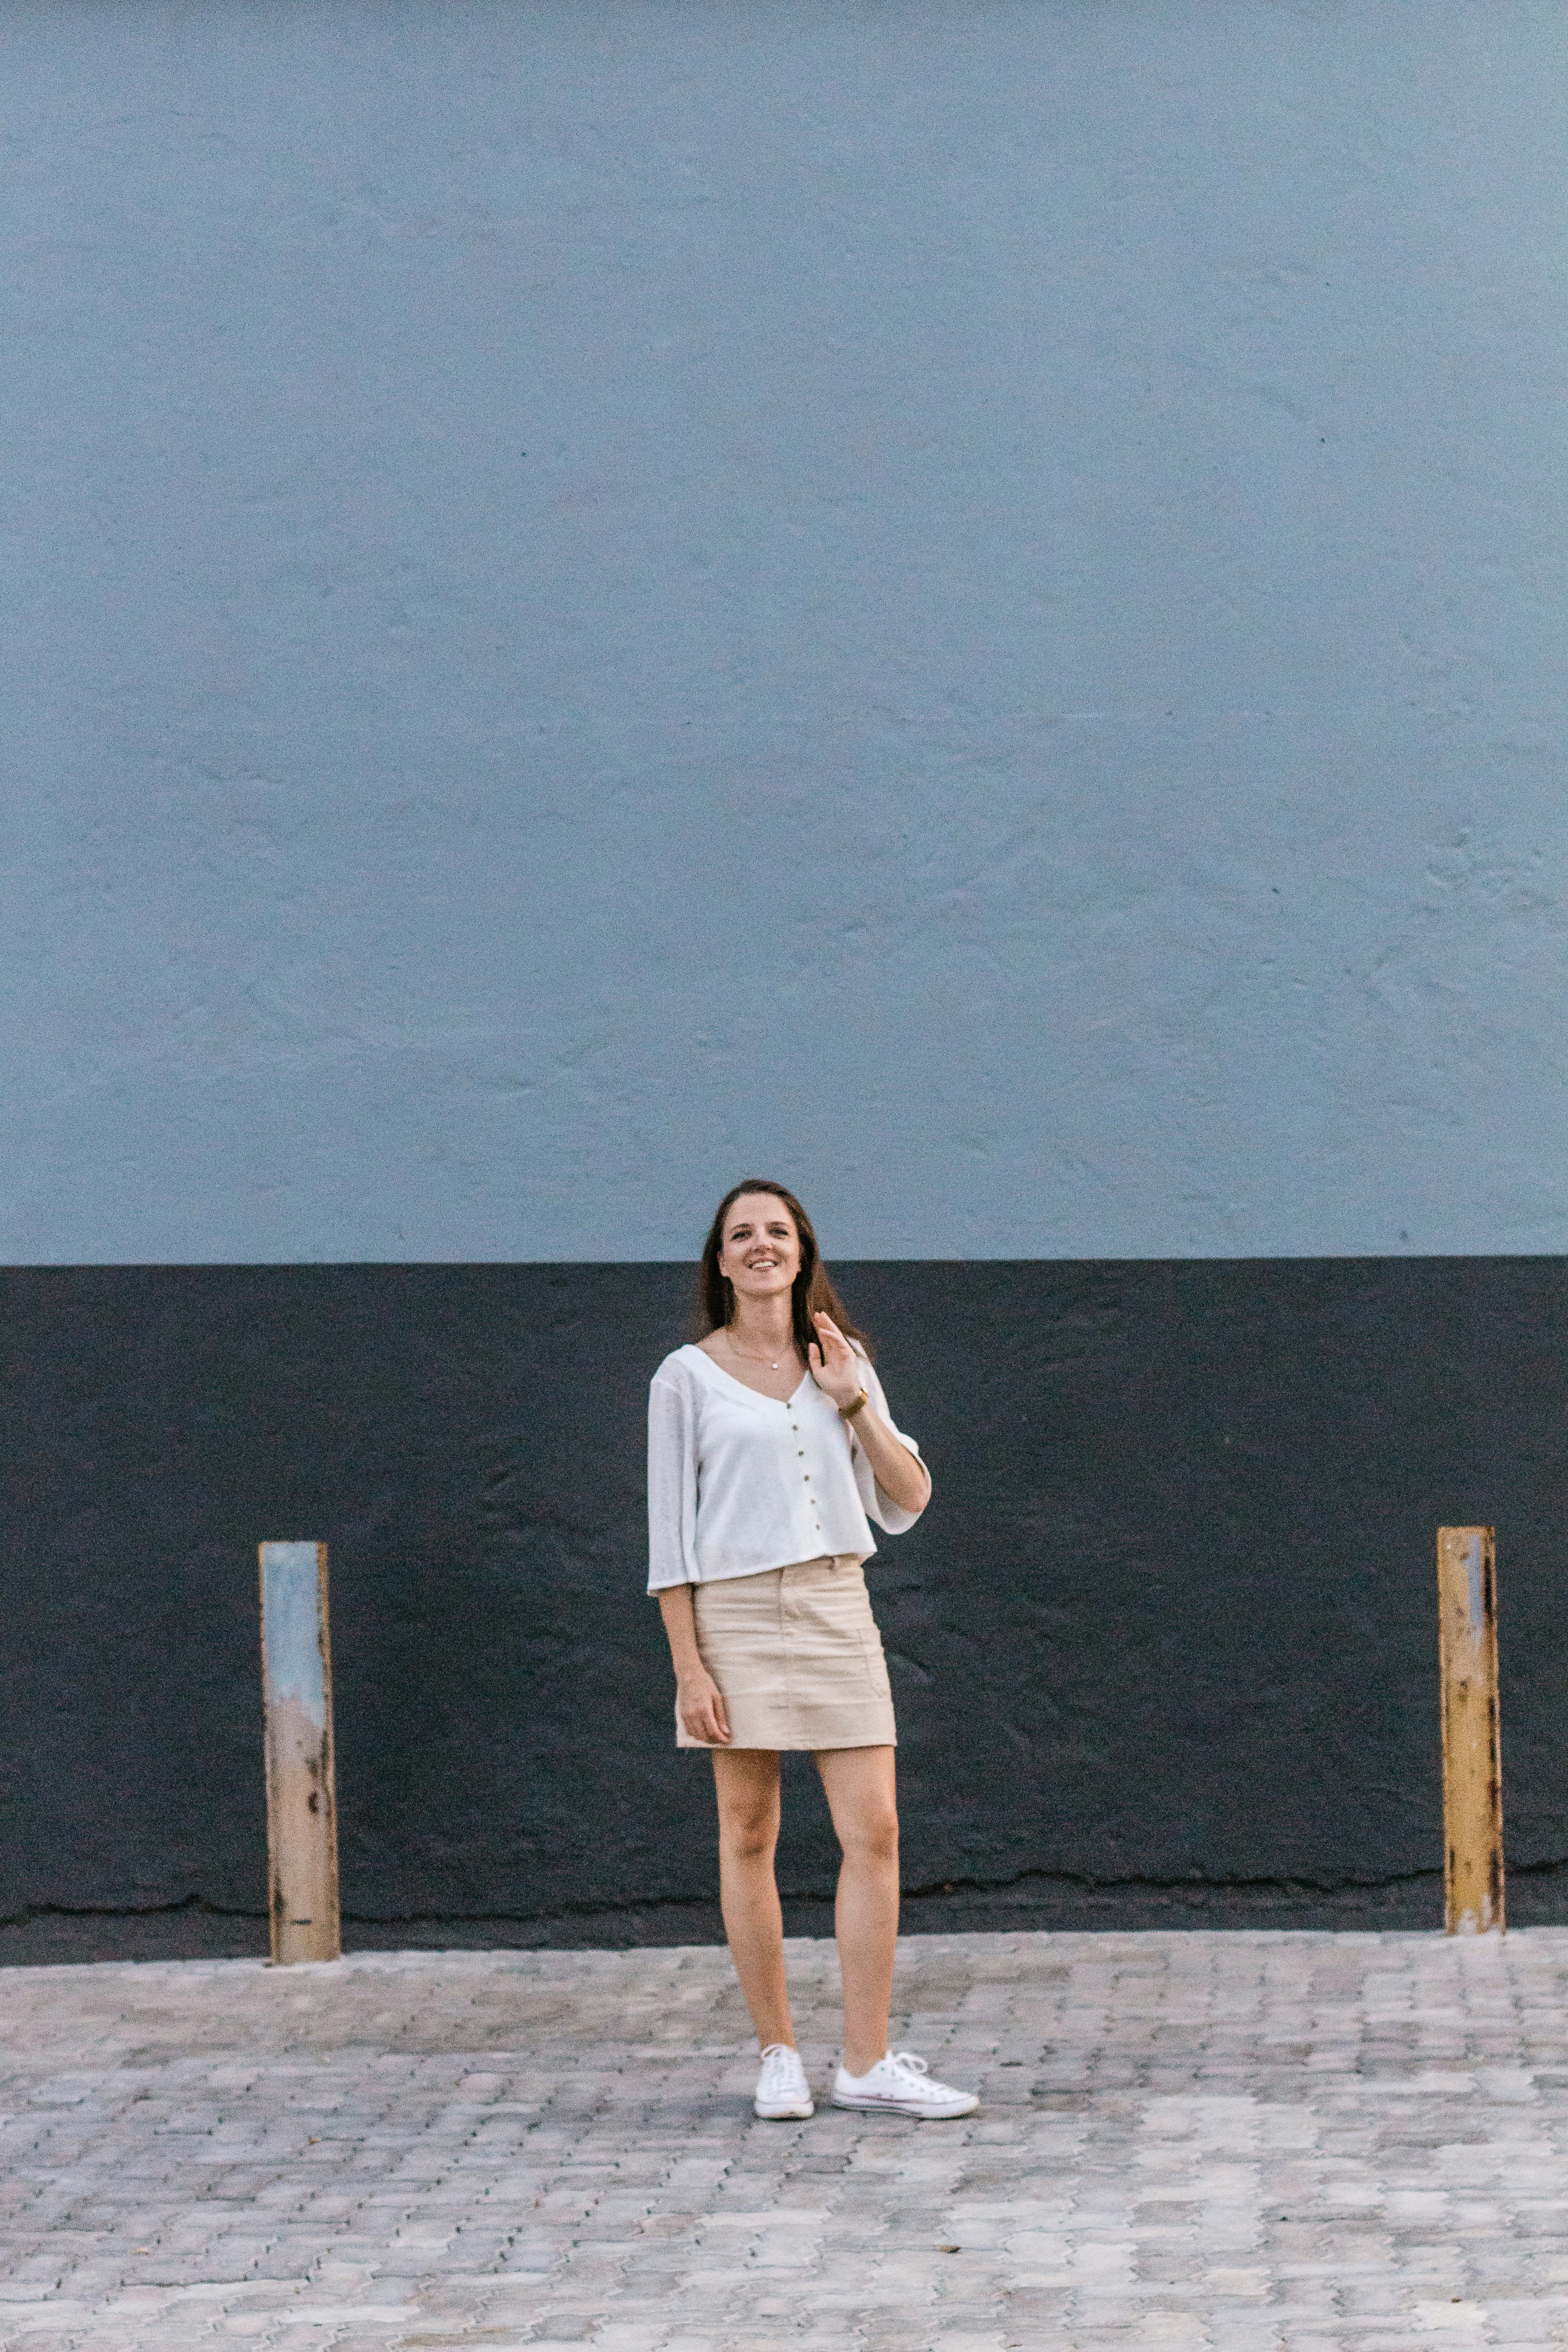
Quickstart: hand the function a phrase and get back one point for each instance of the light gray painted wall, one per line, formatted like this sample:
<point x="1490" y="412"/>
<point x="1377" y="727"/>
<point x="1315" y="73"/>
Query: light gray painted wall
<point x="963" y="602"/>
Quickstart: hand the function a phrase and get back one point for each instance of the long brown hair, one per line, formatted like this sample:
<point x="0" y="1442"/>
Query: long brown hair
<point x="811" y="1291"/>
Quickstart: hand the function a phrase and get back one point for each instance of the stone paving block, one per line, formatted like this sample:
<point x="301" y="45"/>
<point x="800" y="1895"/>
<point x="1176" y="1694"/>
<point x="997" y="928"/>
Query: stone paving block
<point x="1234" y="2142"/>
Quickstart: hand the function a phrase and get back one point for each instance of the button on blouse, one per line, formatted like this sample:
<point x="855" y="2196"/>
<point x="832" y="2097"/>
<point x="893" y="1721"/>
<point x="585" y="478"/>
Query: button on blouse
<point x="738" y="1482"/>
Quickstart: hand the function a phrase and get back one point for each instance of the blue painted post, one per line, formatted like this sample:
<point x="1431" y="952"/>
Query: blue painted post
<point x="301" y="1782"/>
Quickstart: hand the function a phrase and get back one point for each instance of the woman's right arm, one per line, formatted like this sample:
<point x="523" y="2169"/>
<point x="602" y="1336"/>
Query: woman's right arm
<point x="671" y="1532"/>
<point x="697" y="1694"/>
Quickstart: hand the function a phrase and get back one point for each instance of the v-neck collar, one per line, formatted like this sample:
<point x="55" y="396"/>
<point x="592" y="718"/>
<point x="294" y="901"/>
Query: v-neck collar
<point x="759" y="1395"/>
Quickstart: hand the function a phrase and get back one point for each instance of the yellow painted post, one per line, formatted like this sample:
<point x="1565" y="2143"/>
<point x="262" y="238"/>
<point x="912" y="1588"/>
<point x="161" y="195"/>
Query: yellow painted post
<point x="1472" y="1749"/>
<point x="301" y="1780"/>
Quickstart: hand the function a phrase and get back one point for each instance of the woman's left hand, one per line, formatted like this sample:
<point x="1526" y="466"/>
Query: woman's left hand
<point x="840" y="1374"/>
<point x="835" y="1366"/>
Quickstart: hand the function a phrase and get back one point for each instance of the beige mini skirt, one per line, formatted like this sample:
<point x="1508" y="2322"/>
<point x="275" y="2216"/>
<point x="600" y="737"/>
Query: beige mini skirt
<point x="796" y="1654"/>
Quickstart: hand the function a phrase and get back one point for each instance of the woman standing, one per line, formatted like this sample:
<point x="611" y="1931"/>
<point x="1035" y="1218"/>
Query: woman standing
<point x="769" y="1446"/>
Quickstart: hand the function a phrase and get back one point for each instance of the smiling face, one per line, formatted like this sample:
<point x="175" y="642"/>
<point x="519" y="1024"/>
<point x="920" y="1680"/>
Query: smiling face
<point x="759" y="1251"/>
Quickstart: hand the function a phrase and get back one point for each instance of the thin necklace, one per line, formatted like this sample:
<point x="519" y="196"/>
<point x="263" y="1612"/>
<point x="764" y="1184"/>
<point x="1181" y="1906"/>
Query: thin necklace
<point x="747" y="1358"/>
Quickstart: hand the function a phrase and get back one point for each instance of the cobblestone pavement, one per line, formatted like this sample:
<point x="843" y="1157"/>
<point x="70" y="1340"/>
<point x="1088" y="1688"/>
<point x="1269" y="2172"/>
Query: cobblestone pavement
<point x="1204" y="2140"/>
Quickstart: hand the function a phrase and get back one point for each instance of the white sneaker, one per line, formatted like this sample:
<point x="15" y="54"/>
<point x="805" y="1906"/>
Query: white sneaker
<point x="783" y="2090"/>
<point x="904" y="2085"/>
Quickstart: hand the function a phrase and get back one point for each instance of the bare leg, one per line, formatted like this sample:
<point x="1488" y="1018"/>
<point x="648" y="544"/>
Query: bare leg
<point x="862" y="1797"/>
<point x="746" y="1782"/>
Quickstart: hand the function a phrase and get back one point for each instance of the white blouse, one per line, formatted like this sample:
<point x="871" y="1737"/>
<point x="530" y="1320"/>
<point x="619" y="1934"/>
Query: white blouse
<point x="736" y="1482"/>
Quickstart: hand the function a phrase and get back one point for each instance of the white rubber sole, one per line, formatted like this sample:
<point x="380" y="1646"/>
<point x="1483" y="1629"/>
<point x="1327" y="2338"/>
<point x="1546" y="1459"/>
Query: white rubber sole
<point x="795" y="2115"/>
<point x="947" y="2112"/>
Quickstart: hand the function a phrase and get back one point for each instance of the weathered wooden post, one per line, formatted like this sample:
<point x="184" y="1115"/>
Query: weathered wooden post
<point x="1472" y="1749"/>
<point x="301" y="1782"/>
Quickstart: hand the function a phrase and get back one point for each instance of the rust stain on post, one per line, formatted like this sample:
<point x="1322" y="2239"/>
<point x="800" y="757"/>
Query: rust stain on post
<point x="1472" y="1746"/>
<point x="301" y="1782"/>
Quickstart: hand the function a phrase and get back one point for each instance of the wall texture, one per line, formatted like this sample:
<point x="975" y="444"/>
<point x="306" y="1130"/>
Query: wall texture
<point x="1163" y="1648"/>
<point x="962" y="602"/>
<point x="958" y="601"/>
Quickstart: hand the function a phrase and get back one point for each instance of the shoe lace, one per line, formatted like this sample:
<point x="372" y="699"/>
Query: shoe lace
<point x="907" y="2059"/>
<point x="779" y="2063"/>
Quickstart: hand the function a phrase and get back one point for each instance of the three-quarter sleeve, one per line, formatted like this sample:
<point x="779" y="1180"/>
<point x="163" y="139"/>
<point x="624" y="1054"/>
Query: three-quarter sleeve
<point x="890" y="1517"/>
<point x="671" y="1484"/>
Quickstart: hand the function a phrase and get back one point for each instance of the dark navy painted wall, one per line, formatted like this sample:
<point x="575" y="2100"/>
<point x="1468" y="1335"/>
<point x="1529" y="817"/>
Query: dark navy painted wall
<point x="961" y="599"/>
<point x="1166" y="1636"/>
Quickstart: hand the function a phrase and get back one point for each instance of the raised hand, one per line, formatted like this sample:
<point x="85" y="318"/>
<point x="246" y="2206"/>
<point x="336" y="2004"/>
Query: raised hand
<point x="840" y="1374"/>
<point x="835" y="1366"/>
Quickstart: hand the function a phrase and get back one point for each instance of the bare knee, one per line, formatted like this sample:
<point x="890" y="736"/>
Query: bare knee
<point x="747" y="1836"/>
<point x="747" y="1787"/>
<point x="873" y="1836"/>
